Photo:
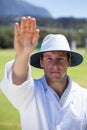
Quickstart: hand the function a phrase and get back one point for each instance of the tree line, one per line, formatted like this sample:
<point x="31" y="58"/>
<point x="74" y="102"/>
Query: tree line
<point x="72" y="28"/>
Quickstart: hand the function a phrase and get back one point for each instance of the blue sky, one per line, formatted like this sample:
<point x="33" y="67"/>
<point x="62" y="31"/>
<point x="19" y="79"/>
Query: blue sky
<point x="63" y="8"/>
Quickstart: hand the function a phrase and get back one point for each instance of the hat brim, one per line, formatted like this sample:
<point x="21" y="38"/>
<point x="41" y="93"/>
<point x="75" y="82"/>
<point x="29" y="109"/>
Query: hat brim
<point x="76" y="58"/>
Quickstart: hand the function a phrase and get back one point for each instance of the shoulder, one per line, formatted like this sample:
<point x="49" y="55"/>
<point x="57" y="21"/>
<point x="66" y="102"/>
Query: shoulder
<point x="80" y="96"/>
<point x="82" y="89"/>
<point x="79" y="88"/>
<point x="80" y="92"/>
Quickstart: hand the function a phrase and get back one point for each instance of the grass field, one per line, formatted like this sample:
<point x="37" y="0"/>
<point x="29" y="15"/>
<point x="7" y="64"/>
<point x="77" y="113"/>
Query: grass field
<point x="9" y="117"/>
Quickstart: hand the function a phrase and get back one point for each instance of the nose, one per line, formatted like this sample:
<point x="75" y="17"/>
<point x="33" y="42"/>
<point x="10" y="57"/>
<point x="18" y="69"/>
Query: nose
<point x="55" y="63"/>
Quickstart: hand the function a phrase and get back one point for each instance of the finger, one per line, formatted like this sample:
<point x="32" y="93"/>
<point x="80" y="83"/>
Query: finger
<point x="33" y="25"/>
<point x="36" y="37"/>
<point x="16" y="32"/>
<point x="16" y="28"/>
<point x="23" y="24"/>
<point x="28" y="24"/>
<point x="37" y="32"/>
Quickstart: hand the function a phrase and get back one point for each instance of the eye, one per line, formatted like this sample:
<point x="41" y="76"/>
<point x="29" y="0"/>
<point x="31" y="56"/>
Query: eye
<point x="61" y="59"/>
<point x="48" y="58"/>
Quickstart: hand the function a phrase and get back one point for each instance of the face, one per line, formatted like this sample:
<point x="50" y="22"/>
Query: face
<point x="55" y="65"/>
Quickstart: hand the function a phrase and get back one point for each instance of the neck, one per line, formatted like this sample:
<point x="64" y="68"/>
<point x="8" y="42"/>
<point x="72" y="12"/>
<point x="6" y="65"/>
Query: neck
<point x="59" y="86"/>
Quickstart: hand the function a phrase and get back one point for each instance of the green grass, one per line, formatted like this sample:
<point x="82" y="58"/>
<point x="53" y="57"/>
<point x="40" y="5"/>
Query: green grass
<point x="5" y="56"/>
<point x="79" y="73"/>
<point x="9" y="116"/>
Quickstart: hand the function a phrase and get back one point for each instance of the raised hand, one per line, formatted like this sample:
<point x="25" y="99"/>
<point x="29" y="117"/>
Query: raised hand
<point x="25" y="41"/>
<point x="26" y="36"/>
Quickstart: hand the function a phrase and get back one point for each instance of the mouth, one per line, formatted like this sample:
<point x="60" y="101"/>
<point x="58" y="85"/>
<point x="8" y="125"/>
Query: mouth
<point x="53" y="72"/>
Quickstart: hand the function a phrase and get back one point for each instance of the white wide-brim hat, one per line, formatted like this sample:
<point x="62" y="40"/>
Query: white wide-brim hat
<point x="52" y="43"/>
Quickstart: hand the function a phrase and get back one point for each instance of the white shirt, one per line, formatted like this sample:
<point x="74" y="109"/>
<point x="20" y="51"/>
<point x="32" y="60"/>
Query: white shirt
<point x="40" y="107"/>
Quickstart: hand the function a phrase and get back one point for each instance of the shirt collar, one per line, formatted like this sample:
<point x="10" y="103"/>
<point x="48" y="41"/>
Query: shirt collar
<point x="45" y="83"/>
<point x="67" y="96"/>
<point x="46" y="86"/>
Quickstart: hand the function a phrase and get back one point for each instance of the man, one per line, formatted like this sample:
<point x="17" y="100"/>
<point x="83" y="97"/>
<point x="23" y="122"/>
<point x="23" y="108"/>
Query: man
<point x="53" y="102"/>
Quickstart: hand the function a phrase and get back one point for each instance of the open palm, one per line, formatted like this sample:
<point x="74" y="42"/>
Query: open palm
<point x="26" y="36"/>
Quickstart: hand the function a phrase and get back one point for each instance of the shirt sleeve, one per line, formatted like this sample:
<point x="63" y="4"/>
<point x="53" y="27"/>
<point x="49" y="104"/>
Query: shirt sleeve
<point x="19" y="95"/>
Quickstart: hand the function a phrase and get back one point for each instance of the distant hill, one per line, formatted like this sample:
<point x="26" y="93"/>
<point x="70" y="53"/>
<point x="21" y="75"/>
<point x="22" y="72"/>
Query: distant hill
<point x="21" y="8"/>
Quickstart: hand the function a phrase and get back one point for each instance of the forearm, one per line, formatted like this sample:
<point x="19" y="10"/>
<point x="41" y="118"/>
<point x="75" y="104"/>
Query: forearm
<point x="20" y="70"/>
